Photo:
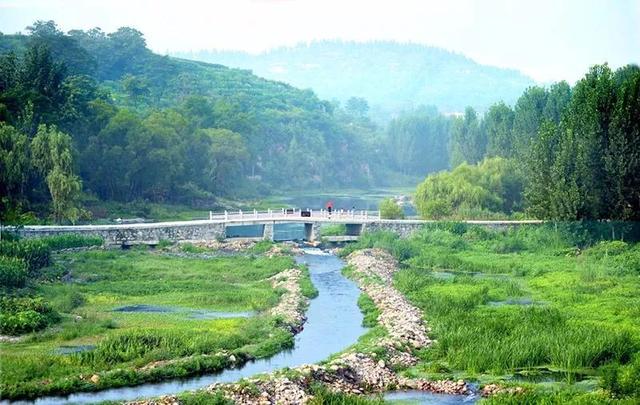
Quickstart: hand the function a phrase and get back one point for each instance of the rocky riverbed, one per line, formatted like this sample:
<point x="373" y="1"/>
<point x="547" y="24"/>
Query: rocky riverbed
<point x="370" y="370"/>
<point x="352" y="372"/>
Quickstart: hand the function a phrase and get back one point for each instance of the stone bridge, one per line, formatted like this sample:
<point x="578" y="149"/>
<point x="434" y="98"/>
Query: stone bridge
<point x="216" y="226"/>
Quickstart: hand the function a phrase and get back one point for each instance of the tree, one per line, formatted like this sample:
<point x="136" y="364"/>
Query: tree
<point x="228" y="155"/>
<point x="136" y="87"/>
<point x="14" y="166"/>
<point x="491" y="187"/>
<point x="468" y="139"/>
<point x="357" y="106"/>
<point x="587" y="132"/>
<point x="418" y="141"/>
<point x="52" y="157"/>
<point x="389" y="209"/>
<point x="622" y="157"/>
<point x="528" y="115"/>
<point x="498" y="124"/>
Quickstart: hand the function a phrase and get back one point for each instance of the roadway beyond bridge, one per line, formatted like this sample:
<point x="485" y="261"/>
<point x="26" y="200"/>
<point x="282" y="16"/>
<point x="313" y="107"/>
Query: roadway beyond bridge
<point x="215" y="228"/>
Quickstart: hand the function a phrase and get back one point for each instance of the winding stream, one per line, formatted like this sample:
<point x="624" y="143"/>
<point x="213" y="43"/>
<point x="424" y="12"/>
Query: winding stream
<point x="335" y="309"/>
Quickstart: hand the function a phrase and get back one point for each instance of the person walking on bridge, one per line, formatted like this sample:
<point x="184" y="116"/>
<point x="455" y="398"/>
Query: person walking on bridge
<point x="329" y="207"/>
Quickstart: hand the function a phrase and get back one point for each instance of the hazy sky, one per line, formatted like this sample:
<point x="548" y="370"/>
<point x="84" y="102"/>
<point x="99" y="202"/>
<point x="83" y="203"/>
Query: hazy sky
<point x="546" y="39"/>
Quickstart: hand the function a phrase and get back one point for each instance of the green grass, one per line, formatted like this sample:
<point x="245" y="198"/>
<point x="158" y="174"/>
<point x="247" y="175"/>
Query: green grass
<point x="585" y="317"/>
<point x="333" y="230"/>
<point x="104" y="280"/>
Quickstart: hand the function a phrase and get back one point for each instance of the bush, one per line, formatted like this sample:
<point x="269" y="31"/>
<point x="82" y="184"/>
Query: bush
<point x="622" y="380"/>
<point x="69" y="241"/>
<point x="333" y="230"/>
<point x="389" y="209"/>
<point x="13" y="272"/>
<point x="492" y="186"/>
<point x="24" y="315"/>
<point x="35" y="253"/>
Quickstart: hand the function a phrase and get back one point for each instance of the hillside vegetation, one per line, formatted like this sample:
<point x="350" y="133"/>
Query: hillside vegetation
<point x="99" y="112"/>
<point x="561" y="153"/>
<point x="391" y="76"/>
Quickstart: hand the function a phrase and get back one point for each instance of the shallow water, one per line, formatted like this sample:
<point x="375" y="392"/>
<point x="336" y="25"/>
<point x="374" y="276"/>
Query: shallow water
<point x="335" y="309"/>
<point x="524" y="301"/>
<point x="73" y="349"/>
<point x="427" y="398"/>
<point x="189" y="313"/>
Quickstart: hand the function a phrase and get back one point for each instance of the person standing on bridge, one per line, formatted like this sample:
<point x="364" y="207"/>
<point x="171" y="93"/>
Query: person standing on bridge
<point x="329" y="207"/>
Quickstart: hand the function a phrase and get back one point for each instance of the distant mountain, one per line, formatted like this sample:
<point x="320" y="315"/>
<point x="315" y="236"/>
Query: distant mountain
<point x="390" y="75"/>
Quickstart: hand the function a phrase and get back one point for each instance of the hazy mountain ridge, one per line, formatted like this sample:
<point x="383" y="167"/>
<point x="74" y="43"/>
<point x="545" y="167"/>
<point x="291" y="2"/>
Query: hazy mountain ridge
<point x="390" y="75"/>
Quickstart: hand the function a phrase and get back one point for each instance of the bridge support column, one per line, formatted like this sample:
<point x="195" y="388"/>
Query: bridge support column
<point x="267" y="233"/>
<point x="312" y="231"/>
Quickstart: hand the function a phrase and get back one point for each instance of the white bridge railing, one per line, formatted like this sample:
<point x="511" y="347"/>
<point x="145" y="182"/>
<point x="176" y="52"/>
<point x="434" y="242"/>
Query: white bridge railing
<point x="294" y="213"/>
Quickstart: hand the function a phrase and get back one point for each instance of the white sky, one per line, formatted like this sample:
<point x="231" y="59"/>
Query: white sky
<point x="547" y="39"/>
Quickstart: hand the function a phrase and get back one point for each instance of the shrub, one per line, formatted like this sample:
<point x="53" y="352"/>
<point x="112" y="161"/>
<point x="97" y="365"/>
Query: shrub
<point x="35" y="253"/>
<point x="492" y="186"/>
<point x="333" y="230"/>
<point x="389" y="209"/>
<point x="622" y="380"/>
<point x="13" y="272"/>
<point x="25" y="314"/>
<point x="69" y="241"/>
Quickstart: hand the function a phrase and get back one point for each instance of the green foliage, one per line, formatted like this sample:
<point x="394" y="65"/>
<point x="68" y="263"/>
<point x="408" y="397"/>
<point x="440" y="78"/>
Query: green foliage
<point x="370" y="311"/>
<point x="202" y="397"/>
<point x="322" y="396"/>
<point x="585" y="166"/>
<point x="24" y="314"/>
<point x="13" y="272"/>
<point x="104" y="280"/>
<point x="622" y="380"/>
<point x="417" y="142"/>
<point x="493" y="186"/>
<point x="389" y="209"/>
<point x="36" y="253"/>
<point x="499" y="301"/>
<point x="149" y="127"/>
<point x="347" y="68"/>
<point x="333" y="230"/>
<point x="469" y="141"/>
<point x="69" y="241"/>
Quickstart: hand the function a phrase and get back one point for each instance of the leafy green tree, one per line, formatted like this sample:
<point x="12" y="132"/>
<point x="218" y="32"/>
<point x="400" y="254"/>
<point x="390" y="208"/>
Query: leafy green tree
<point x="389" y="209"/>
<point x="528" y="116"/>
<point x="587" y="128"/>
<point x="136" y="87"/>
<point x="491" y="187"/>
<point x="418" y="142"/>
<point x="357" y="106"/>
<point x="228" y="155"/>
<point x="622" y="157"/>
<point x="468" y="139"/>
<point x="498" y="124"/>
<point x="14" y="167"/>
<point x="52" y="157"/>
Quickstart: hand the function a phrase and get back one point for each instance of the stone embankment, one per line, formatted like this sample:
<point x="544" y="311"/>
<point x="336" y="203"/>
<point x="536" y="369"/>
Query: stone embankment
<point x="292" y="303"/>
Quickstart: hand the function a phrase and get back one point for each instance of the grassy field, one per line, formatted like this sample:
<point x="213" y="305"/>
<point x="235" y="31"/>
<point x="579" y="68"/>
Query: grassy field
<point x="548" y="309"/>
<point x="97" y="282"/>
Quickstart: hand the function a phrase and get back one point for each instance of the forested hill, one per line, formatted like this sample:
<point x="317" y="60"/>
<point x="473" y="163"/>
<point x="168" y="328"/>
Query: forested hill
<point x="391" y="76"/>
<point x="145" y="126"/>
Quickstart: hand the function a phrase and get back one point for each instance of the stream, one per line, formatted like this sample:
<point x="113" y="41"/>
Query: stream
<point x="334" y="309"/>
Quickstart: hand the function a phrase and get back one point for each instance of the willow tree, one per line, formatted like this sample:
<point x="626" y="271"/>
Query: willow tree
<point x="51" y="155"/>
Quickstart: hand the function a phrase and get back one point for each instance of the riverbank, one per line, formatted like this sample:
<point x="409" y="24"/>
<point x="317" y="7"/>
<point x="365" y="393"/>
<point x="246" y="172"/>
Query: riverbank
<point x="133" y="317"/>
<point x="548" y="309"/>
<point x="365" y="368"/>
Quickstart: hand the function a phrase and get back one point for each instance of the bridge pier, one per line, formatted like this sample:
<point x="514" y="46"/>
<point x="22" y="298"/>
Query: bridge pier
<point x="311" y="231"/>
<point x="267" y="233"/>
